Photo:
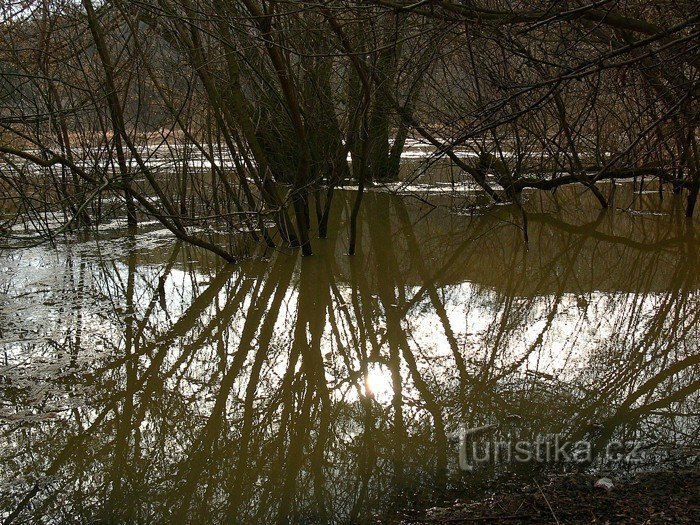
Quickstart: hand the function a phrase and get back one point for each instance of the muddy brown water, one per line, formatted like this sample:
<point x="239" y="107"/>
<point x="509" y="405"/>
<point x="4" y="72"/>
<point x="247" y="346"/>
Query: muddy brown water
<point x="142" y="381"/>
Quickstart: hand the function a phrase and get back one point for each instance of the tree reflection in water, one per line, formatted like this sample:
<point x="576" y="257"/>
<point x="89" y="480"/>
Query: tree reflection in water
<point x="142" y="381"/>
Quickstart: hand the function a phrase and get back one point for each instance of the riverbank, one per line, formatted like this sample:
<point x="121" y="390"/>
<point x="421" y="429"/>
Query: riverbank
<point x="648" y="498"/>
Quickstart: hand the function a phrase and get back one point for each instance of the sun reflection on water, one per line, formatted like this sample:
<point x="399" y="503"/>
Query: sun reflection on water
<point x="378" y="383"/>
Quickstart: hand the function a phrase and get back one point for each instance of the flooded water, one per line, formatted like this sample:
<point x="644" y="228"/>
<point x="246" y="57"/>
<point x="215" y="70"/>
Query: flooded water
<point x="144" y="381"/>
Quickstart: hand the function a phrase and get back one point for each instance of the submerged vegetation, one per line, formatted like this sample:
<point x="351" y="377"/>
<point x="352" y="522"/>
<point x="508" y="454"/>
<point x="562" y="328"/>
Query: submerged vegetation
<point x="144" y="381"/>
<point x="244" y="114"/>
<point x="517" y="184"/>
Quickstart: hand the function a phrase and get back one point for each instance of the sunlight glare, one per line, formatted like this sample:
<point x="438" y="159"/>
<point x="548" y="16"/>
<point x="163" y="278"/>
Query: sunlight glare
<point x="378" y="382"/>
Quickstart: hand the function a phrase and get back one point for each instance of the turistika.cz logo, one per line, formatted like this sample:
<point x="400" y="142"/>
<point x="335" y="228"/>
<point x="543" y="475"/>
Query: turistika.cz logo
<point x="551" y="449"/>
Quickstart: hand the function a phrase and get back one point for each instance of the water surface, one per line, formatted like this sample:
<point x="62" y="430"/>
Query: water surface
<point x="144" y="381"/>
